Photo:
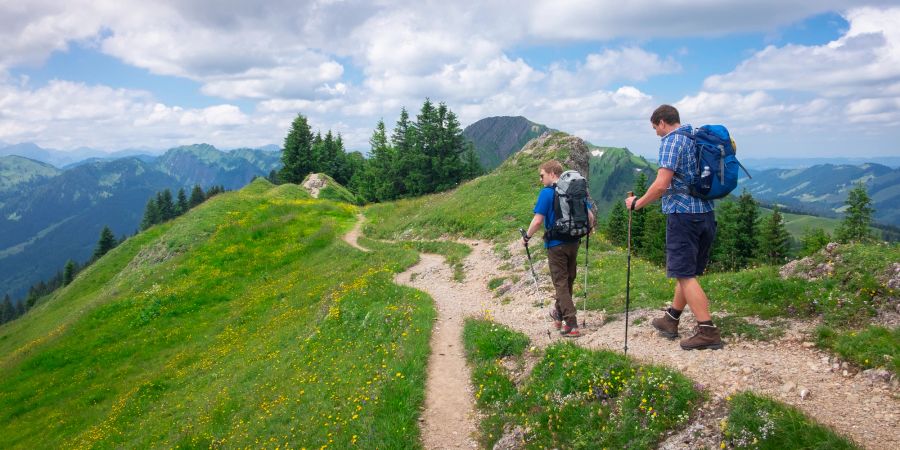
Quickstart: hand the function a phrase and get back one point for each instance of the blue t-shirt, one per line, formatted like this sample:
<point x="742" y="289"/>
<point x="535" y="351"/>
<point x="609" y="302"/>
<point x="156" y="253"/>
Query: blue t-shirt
<point x="544" y="206"/>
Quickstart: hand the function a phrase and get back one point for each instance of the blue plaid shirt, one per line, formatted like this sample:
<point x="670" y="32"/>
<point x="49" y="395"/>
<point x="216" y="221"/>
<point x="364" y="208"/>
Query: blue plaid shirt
<point x="675" y="154"/>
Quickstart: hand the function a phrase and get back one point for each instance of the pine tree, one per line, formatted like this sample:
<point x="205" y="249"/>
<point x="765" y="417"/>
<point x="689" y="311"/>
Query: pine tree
<point x="197" y="195"/>
<point x="381" y="181"/>
<point x="69" y="273"/>
<point x="617" y="225"/>
<point x="165" y="206"/>
<point x="32" y="297"/>
<point x="471" y="165"/>
<point x="858" y="216"/>
<point x="181" y="206"/>
<point x="745" y="243"/>
<point x="724" y="253"/>
<point x="407" y="176"/>
<point x="151" y="215"/>
<point x="7" y="310"/>
<point x="653" y="238"/>
<point x="273" y="177"/>
<point x="296" y="157"/>
<point x="814" y="240"/>
<point x="774" y="240"/>
<point x="106" y="243"/>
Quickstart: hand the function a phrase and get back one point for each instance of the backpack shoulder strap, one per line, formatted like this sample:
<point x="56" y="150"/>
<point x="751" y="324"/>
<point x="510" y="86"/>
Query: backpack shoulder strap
<point x="686" y="191"/>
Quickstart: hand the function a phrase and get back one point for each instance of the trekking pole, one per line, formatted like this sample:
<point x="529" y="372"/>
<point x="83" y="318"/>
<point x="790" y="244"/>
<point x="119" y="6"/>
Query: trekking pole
<point x="587" y="249"/>
<point x="530" y="262"/>
<point x="628" y="274"/>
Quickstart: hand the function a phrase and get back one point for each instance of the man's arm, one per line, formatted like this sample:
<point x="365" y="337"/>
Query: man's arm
<point x="536" y="223"/>
<point x="655" y="191"/>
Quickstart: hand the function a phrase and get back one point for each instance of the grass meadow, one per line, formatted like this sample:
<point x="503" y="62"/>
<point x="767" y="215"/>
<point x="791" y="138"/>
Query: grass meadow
<point x="247" y="322"/>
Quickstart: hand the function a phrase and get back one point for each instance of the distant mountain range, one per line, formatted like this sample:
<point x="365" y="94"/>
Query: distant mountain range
<point x="822" y="189"/>
<point x="61" y="159"/>
<point x="495" y="138"/>
<point x="800" y="163"/>
<point x="50" y="215"/>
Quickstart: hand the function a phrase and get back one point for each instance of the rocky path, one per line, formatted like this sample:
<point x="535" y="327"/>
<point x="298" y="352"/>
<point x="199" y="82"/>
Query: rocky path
<point x="449" y="419"/>
<point x="790" y="369"/>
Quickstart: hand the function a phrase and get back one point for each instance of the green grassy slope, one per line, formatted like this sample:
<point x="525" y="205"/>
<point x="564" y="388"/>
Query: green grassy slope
<point x="235" y="325"/>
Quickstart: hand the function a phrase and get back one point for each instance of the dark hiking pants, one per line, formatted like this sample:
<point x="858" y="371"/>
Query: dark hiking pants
<point x="562" y="259"/>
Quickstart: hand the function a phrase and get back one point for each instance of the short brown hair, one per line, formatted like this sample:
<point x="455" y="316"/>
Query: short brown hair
<point x="666" y="113"/>
<point x="553" y="166"/>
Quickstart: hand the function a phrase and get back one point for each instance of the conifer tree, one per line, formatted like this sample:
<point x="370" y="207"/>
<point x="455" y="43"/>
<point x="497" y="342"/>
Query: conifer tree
<point x="381" y="180"/>
<point x="165" y="206"/>
<point x="653" y="238"/>
<point x="151" y="215"/>
<point x="858" y="216"/>
<point x="724" y="253"/>
<point x="406" y="159"/>
<point x="617" y="225"/>
<point x="181" y="206"/>
<point x="745" y="243"/>
<point x="471" y="166"/>
<point x="32" y="297"/>
<point x="7" y="310"/>
<point x="106" y="243"/>
<point x="774" y="240"/>
<point x="197" y="196"/>
<point x="69" y="272"/>
<point x="296" y="157"/>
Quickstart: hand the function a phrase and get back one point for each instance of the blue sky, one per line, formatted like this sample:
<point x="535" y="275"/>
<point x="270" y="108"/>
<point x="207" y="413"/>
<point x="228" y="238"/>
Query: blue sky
<point x="789" y="78"/>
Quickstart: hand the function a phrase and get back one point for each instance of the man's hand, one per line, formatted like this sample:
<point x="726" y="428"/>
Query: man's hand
<point x="525" y="236"/>
<point x="630" y="202"/>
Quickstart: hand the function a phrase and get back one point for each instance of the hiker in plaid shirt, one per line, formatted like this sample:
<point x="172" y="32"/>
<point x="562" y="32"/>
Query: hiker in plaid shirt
<point x="690" y="230"/>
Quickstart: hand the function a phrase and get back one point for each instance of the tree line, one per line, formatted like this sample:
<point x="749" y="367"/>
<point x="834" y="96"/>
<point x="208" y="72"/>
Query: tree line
<point x="160" y="208"/>
<point x="423" y="156"/>
<point x="743" y="236"/>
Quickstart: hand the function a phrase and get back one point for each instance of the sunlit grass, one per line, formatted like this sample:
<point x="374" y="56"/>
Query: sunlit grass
<point x="247" y="322"/>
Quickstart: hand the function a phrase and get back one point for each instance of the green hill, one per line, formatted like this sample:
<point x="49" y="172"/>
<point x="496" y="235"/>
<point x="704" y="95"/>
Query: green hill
<point x="496" y="138"/>
<point x="612" y="175"/>
<point x="235" y="325"/>
<point x="16" y="170"/>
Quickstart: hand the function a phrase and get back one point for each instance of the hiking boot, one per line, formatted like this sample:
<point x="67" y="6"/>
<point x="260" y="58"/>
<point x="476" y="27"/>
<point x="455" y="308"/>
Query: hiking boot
<point x="705" y="337"/>
<point x="557" y="322"/>
<point x="567" y="331"/>
<point x="666" y="325"/>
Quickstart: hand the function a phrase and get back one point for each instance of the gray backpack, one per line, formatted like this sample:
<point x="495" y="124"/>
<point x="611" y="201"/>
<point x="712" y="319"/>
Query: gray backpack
<point x="570" y="207"/>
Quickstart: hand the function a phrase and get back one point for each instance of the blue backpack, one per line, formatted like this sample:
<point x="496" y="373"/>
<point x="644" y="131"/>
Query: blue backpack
<point x="716" y="174"/>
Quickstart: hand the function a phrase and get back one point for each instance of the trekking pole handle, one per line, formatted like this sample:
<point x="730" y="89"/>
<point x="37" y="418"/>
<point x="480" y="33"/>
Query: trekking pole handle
<point x="524" y="234"/>
<point x="631" y="194"/>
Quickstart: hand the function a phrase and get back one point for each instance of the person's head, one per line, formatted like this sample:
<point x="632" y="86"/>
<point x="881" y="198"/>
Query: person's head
<point x="550" y="172"/>
<point x="665" y="119"/>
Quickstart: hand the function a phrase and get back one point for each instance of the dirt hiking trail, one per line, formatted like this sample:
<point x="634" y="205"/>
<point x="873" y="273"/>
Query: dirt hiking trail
<point x="866" y="409"/>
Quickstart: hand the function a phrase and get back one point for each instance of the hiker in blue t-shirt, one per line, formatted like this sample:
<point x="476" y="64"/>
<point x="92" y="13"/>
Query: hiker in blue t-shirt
<point x="690" y="230"/>
<point x="561" y="255"/>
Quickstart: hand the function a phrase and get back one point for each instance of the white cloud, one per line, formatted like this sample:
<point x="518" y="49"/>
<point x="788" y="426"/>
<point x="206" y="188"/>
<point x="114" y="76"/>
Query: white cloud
<point x="66" y="115"/>
<point x="347" y="63"/>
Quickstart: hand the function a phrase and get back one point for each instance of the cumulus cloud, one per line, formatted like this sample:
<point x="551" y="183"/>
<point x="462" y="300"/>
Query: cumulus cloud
<point x="64" y="114"/>
<point x="854" y="79"/>
<point x="347" y="63"/>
